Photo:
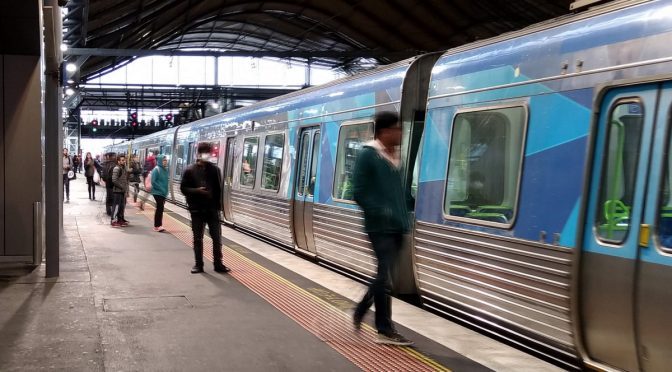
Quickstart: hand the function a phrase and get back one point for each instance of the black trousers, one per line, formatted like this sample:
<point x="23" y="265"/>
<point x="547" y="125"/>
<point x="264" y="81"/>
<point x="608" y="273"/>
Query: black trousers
<point x="158" y="213"/>
<point x="109" y="200"/>
<point x="119" y="206"/>
<point x="91" y="186"/>
<point x="66" y="186"/>
<point x="387" y="247"/>
<point x="136" y="190"/>
<point x="198" y="221"/>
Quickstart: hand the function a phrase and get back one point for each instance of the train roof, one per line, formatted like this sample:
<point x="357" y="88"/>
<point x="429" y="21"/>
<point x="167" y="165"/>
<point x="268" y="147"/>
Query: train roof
<point x="542" y="50"/>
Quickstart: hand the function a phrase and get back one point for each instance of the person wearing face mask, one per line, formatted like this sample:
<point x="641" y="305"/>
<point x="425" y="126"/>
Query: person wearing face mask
<point x="159" y="179"/>
<point x="201" y="184"/>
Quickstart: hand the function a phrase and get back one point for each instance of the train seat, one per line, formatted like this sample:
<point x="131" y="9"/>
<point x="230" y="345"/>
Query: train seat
<point x="505" y="210"/>
<point x="488" y="216"/>
<point x="459" y="210"/>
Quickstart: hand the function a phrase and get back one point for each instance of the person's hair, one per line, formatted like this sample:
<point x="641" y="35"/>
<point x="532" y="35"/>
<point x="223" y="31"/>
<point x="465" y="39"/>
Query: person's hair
<point x="121" y="155"/>
<point x="88" y="155"/>
<point x="383" y="120"/>
<point x="204" y="147"/>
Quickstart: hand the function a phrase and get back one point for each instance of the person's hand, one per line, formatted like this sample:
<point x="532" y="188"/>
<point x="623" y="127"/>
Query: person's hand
<point x="203" y="190"/>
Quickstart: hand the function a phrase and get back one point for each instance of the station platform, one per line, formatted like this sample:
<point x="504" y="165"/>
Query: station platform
<point x="126" y="301"/>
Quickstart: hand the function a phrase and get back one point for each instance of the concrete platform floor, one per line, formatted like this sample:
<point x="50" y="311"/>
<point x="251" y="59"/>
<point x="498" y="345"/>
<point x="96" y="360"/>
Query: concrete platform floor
<point x="125" y="301"/>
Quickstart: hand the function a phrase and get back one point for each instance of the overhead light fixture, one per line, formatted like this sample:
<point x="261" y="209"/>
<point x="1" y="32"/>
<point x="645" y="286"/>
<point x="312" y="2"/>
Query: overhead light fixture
<point x="69" y="91"/>
<point x="70" y="67"/>
<point x="70" y="81"/>
<point x="64" y="47"/>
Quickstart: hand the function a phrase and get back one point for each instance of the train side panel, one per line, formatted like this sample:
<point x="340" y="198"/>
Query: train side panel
<point x="499" y="219"/>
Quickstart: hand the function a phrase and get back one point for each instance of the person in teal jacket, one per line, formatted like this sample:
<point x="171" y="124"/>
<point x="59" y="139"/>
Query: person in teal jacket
<point x="159" y="191"/>
<point x="377" y="188"/>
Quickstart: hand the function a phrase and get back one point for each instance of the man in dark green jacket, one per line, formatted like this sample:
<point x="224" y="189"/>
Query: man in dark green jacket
<point x="377" y="187"/>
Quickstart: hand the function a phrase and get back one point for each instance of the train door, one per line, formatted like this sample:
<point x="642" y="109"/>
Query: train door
<point x="228" y="177"/>
<point x="306" y="180"/>
<point x="625" y="273"/>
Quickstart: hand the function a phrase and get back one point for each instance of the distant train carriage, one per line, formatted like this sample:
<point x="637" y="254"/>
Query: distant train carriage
<point x="537" y="164"/>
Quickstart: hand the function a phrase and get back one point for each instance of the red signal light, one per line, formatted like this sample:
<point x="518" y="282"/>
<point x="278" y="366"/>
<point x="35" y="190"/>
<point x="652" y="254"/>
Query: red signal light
<point x="94" y="122"/>
<point x="169" y="117"/>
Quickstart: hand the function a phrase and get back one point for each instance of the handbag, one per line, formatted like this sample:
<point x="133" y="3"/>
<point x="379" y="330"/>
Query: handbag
<point x="148" y="182"/>
<point x="71" y="175"/>
<point x="96" y="177"/>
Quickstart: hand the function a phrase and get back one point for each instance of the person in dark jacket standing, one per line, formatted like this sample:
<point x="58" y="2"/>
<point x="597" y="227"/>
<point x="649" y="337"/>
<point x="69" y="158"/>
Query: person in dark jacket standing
<point x="378" y="189"/>
<point x="67" y="167"/>
<point x="108" y="166"/>
<point x="134" y="176"/>
<point x="89" y="171"/>
<point x="120" y="189"/>
<point x="201" y="184"/>
<point x="159" y="177"/>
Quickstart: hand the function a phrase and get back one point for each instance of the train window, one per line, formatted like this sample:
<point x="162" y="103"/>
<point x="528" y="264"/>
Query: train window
<point x="191" y="156"/>
<point x="305" y="143"/>
<point x="180" y="162"/>
<point x="617" y="187"/>
<point x="150" y="160"/>
<point x="271" y="171"/>
<point x="249" y="162"/>
<point x="313" y="164"/>
<point x="665" y="208"/>
<point x="486" y="153"/>
<point x="351" y="139"/>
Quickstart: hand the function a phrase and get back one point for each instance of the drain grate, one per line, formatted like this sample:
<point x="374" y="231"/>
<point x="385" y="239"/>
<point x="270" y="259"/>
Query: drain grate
<point x="145" y="303"/>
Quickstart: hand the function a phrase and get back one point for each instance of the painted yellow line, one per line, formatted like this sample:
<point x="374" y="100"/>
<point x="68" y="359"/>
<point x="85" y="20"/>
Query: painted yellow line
<point x="409" y="350"/>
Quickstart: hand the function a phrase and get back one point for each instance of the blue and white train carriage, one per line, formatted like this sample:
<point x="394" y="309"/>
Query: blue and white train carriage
<point x="540" y="167"/>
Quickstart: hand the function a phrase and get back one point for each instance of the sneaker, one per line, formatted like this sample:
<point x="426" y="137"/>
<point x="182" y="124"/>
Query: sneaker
<point x="156" y="229"/>
<point x="116" y="224"/>
<point x="196" y="269"/>
<point x="393" y="338"/>
<point x="222" y="269"/>
<point x="124" y="223"/>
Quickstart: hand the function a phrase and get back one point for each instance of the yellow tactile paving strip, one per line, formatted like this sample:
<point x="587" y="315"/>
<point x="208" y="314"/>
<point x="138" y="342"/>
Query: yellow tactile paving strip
<point x="328" y="323"/>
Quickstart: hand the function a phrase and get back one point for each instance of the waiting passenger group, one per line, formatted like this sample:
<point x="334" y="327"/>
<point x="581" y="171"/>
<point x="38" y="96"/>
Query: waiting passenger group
<point x="201" y="185"/>
<point x="376" y="169"/>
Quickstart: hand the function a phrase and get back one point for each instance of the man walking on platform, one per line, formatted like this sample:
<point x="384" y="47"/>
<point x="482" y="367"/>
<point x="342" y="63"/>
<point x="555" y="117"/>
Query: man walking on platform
<point x="201" y="184"/>
<point x="377" y="187"/>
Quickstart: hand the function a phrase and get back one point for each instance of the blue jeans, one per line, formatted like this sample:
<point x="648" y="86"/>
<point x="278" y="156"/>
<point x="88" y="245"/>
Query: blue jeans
<point x="387" y="247"/>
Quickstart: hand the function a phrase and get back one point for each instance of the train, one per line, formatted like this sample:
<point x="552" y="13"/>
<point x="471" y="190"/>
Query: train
<point x="538" y="164"/>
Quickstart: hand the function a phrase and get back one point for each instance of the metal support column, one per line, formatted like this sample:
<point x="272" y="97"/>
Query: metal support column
<point x="53" y="179"/>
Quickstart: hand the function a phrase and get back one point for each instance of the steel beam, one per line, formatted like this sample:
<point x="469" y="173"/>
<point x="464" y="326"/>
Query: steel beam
<point x="104" y="52"/>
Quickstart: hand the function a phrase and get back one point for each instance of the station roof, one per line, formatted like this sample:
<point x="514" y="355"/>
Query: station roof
<point x="351" y="35"/>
